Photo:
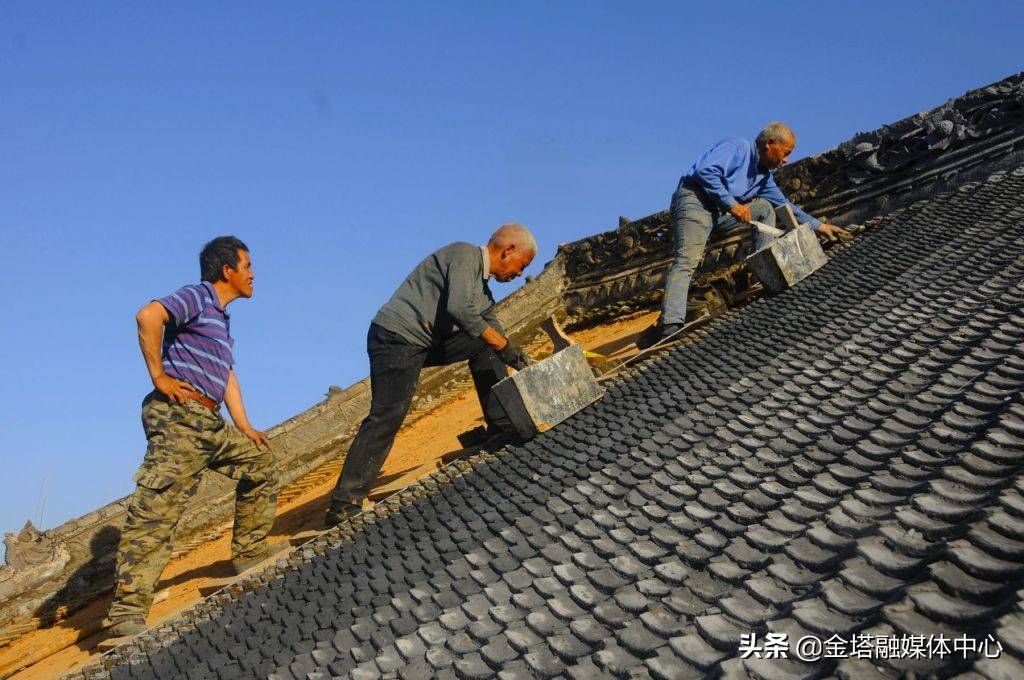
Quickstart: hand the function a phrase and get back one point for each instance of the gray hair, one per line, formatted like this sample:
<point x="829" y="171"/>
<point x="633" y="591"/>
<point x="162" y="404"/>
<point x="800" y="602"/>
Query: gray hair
<point x="775" y="132"/>
<point x="513" y="234"/>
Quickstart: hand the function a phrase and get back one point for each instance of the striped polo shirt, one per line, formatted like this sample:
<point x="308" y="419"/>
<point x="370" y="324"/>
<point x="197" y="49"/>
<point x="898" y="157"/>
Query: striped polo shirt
<point x="197" y="342"/>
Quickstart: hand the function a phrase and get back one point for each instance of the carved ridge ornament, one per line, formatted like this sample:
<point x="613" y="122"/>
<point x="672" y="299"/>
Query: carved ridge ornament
<point x="622" y="271"/>
<point x="975" y="115"/>
<point x="32" y="557"/>
<point x="29" y="548"/>
<point x="637" y="283"/>
<point x="977" y="119"/>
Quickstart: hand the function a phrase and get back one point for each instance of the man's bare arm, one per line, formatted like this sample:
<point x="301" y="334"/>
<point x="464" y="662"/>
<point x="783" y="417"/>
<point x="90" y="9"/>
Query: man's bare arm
<point x="151" y="320"/>
<point x="233" y="400"/>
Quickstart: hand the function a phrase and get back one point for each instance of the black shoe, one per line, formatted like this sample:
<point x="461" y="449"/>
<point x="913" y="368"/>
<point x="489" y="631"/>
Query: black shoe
<point x="652" y="335"/>
<point x="497" y="438"/>
<point x="648" y="337"/>
<point x="340" y="512"/>
<point x="475" y="437"/>
<point x="669" y="330"/>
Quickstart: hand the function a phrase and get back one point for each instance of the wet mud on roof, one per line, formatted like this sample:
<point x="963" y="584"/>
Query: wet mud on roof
<point x="843" y="457"/>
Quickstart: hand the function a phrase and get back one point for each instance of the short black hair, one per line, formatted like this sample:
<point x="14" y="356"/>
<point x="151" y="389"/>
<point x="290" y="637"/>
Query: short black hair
<point x="221" y="251"/>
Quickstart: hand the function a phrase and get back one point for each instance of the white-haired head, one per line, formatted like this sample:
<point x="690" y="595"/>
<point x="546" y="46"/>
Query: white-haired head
<point x="774" y="144"/>
<point x="513" y="234"/>
<point x="775" y="132"/>
<point x="511" y="249"/>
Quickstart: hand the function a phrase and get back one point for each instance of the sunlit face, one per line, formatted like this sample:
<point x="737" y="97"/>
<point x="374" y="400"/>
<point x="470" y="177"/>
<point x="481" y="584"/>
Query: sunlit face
<point x="240" y="279"/>
<point x="776" y="154"/>
<point x="511" y="264"/>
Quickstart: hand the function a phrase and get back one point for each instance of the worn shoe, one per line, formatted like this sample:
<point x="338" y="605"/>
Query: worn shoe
<point x="669" y="330"/>
<point x="490" y="438"/>
<point x="340" y="512"/>
<point x="499" y="438"/>
<point x="475" y="437"/>
<point x="244" y="564"/>
<point x="649" y="336"/>
<point x="125" y="626"/>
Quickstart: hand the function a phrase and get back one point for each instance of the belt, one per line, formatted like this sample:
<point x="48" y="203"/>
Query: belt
<point x="201" y="398"/>
<point x="206" y="401"/>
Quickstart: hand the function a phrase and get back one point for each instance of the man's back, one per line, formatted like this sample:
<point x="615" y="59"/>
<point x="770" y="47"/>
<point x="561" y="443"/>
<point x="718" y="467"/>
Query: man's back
<point x="444" y="291"/>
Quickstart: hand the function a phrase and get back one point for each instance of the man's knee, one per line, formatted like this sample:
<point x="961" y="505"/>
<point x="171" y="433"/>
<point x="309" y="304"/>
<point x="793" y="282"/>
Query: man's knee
<point x="259" y="469"/>
<point x="150" y="507"/>
<point x="388" y="415"/>
<point x="687" y="259"/>
<point x="762" y="211"/>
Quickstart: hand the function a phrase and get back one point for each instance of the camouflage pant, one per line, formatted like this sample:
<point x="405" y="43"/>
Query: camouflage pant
<point x="185" y="439"/>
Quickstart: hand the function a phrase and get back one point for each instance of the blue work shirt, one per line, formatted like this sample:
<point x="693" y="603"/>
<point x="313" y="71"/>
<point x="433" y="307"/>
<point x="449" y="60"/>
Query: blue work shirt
<point x="729" y="174"/>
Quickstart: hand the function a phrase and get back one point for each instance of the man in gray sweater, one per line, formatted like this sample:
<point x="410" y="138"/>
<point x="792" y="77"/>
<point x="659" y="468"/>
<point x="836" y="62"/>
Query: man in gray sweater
<point x="441" y="314"/>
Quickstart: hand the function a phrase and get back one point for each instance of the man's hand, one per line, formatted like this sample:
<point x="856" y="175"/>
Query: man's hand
<point x="514" y="356"/>
<point x="834" y="233"/>
<point x="174" y="389"/>
<point x="257" y="437"/>
<point x="740" y="212"/>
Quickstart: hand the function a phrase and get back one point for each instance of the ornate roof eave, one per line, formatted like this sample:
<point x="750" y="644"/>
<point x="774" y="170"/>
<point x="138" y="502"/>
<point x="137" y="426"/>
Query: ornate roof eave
<point x="869" y="176"/>
<point x="876" y="172"/>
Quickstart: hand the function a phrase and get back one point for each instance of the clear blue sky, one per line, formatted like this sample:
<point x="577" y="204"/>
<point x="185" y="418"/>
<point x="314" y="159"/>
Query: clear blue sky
<point x="343" y="141"/>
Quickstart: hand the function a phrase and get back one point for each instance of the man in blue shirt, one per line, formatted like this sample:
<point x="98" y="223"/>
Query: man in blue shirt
<point x="731" y="183"/>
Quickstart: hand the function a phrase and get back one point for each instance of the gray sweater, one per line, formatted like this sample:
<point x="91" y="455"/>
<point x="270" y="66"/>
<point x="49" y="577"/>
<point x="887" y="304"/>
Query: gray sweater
<point x="444" y="293"/>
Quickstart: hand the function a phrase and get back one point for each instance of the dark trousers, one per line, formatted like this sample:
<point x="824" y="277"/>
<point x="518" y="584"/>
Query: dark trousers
<point x="394" y="374"/>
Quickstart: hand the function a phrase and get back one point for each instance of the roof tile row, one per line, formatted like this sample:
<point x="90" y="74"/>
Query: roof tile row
<point x="841" y="460"/>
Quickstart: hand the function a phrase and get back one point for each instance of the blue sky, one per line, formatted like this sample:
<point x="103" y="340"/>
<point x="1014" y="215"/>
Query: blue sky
<point x="344" y="141"/>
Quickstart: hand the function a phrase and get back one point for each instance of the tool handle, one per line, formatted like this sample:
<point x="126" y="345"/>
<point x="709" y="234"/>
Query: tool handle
<point x="771" y="231"/>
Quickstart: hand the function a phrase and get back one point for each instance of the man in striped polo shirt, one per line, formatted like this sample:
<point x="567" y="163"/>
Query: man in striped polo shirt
<point x="186" y="343"/>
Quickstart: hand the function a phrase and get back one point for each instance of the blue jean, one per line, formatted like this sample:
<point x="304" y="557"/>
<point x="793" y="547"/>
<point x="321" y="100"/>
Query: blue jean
<point x="692" y="224"/>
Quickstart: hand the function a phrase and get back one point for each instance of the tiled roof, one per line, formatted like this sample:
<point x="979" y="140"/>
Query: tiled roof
<point x="842" y="458"/>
